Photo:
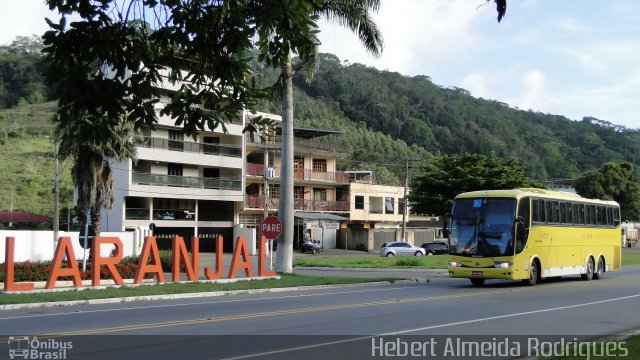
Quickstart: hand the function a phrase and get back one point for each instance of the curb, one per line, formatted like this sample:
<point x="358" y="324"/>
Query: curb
<point x="200" y="295"/>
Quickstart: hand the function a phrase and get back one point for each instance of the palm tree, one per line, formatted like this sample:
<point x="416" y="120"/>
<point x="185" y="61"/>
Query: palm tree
<point x="355" y="15"/>
<point x="93" y="151"/>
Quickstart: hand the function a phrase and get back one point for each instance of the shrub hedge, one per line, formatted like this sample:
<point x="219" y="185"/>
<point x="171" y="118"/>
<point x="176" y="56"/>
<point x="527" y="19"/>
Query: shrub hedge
<point x="39" y="270"/>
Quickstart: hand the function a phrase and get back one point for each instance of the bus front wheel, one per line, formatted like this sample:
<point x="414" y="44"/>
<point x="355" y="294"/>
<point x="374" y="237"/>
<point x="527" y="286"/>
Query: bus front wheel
<point x="477" y="282"/>
<point x="590" y="270"/>
<point x="534" y="274"/>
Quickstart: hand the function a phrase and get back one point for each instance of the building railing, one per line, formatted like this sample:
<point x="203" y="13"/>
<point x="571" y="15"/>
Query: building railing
<point x="257" y="202"/>
<point x="298" y="144"/>
<point x="187" y="181"/>
<point x="306" y="174"/>
<point x="186" y="146"/>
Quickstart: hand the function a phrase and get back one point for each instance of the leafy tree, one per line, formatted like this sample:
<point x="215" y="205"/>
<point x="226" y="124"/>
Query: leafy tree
<point x="122" y="50"/>
<point x="24" y="45"/>
<point x="433" y="190"/>
<point x="613" y="181"/>
<point x="21" y="68"/>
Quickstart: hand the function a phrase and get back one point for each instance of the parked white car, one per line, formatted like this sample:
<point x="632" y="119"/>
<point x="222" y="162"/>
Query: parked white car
<point x="399" y="248"/>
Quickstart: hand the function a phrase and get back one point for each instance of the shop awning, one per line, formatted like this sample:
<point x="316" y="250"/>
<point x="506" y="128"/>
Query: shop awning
<point x="319" y="216"/>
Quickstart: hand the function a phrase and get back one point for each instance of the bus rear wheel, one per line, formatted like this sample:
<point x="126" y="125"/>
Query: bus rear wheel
<point x="477" y="282"/>
<point x="599" y="269"/>
<point x="534" y="274"/>
<point x="590" y="270"/>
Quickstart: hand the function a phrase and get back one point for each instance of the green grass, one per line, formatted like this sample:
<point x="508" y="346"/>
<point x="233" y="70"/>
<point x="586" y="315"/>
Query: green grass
<point x="630" y="258"/>
<point x="285" y="281"/>
<point x="631" y="344"/>
<point x="423" y="262"/>
<point x="419" y="262"/>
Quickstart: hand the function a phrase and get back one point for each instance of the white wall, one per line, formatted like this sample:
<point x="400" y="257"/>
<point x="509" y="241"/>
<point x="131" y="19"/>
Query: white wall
<point x="39" y="245"/>
<point x="249" y="234"/>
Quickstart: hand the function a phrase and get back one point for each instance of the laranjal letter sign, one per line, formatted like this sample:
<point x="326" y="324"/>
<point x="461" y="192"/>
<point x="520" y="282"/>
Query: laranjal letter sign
<point x="149" y="262"/>
<point x="271" y="227"/>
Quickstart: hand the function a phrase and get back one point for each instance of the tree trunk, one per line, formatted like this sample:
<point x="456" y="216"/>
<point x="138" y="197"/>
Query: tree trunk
<point x="284" y="258"/>
<point x="95" y="221"/>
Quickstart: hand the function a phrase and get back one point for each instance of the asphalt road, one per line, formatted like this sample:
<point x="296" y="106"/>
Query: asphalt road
<point x="341" y="322"/>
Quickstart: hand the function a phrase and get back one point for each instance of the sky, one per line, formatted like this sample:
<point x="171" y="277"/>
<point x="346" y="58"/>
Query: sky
<point x="572" y="57"/>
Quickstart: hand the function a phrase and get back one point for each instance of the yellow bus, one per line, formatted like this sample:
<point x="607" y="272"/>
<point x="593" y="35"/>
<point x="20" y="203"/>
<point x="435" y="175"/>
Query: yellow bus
<point x="530" y="234"/>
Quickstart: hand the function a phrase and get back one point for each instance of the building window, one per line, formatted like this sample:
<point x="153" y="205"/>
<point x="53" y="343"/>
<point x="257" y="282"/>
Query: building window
<point x="174" y="169"/>
<point x="211" y="173"/>
<point x="298" y="192"/>
<point x="176" y="139"/>
<point x="376" y="205"/>
<point x="400" y="206"/>
<point x="274" y="191"/>
<point x="319" y="165"/>
<point x="319" y="194"/>
<point x="359" y="202"/>
<point x="388" y="205"/>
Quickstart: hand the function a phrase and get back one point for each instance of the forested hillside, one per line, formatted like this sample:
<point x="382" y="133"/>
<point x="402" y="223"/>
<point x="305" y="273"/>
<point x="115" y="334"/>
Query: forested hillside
<point x="386" y="118"/>
<point x="450" y="121"/>
<point x="26" y="160"/>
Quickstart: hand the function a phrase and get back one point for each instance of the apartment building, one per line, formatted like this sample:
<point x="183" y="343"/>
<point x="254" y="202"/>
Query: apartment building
<point x="182" y="185"/>
<point x="321" y="193"/>
<point x="219" y="183"/>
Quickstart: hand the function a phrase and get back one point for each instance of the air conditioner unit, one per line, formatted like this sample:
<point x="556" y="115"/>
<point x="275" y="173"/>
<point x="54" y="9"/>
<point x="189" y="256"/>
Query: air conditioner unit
<point x="269" y="173"/>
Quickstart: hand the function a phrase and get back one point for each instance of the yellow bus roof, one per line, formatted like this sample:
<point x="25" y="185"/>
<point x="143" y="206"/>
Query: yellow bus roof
<point x="533" y="192"/>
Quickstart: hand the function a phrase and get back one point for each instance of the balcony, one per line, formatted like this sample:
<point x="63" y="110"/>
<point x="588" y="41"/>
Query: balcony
<point x="306" y="174"/>
<point x="198" y="148"/>
<point x="300" y="145"/>
<point x="257" y="202"/>
<point x="187" y="181"/>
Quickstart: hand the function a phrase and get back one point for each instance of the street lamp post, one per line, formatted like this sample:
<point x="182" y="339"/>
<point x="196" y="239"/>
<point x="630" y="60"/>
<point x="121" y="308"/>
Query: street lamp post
<point x="404" y="200"/>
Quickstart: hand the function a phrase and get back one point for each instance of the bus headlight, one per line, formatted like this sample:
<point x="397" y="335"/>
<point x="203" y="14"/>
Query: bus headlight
<point x="454" y="264"/>
<point x="503" y="264"/>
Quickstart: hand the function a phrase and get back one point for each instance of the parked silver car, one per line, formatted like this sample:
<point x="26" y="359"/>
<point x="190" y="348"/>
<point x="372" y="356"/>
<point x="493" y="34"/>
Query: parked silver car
<point x="400" y="248"/>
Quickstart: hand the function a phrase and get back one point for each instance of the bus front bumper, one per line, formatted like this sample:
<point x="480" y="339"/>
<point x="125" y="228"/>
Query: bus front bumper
<point x="481" y="273"/>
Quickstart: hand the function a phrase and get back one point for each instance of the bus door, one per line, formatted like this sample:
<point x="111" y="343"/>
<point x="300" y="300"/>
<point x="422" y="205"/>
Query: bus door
<point x="541" y="239"/>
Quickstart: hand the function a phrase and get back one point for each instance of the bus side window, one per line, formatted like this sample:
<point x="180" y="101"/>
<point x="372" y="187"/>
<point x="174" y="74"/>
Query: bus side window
<point x="523" y="224"/>
<point x="538" y="210"/>
<point x="616" y="217"/>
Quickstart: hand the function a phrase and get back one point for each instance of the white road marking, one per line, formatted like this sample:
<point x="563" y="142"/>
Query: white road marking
<point x="76" y="312"/>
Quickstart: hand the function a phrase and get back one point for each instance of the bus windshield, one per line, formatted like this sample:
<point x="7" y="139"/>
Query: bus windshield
<point x="482" y="227"/>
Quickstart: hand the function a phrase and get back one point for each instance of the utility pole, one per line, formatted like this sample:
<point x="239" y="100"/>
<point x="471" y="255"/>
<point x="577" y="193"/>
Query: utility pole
<point x="404" y="200"/>
<point x="56" y="192"/>
<point x="11" y="210"/>
<point x="265" y="192"/>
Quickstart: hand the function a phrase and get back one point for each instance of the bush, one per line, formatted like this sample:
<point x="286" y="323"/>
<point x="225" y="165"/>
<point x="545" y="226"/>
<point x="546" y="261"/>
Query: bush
<point x="39" y="270"/>
<point x="408" y="262"/>
<point x="165" y="260"/>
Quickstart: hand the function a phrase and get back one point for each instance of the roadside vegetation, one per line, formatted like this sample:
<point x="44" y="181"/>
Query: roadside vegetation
<point x="418" y="262"/>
